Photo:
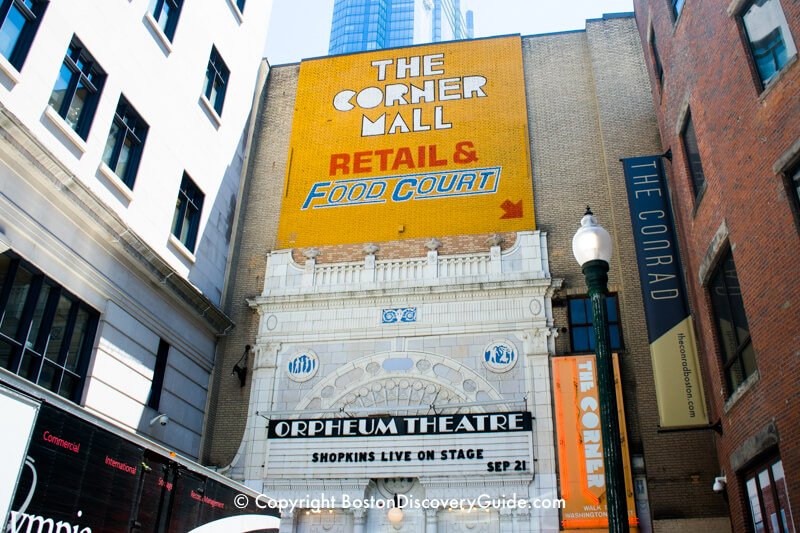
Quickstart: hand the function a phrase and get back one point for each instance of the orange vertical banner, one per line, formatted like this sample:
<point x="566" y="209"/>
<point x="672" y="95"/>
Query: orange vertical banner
<point x="580" y="445"/>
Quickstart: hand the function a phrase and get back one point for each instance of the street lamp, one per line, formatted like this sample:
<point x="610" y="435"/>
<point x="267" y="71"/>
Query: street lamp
<point x="592" y="248"/>
<point x="395" y="514"/>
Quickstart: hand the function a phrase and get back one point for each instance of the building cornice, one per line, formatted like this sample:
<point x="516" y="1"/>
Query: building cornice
<point x="520" y="271"/>
<point x="423" y="294"/>
<point x="43" y="169"/>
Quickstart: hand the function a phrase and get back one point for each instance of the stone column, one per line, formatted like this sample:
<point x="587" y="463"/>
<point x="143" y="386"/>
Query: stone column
<point x="431" y="520"/>
<point x="309" y="268"/>
<point x="432" y="265"/>
<point x="359" y="520"/>
<point x="522" y="520"/>
<point x="506" y="525"/>
<point x="287" y="521"/>
<point x="262" y="390"/>
<point x="538" y="344"/>
<point x="368" y="274"/>
<point x="495" y="254"/>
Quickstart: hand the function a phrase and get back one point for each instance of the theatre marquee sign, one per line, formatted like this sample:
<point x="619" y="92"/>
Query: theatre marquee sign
<point x="474" y="444"/>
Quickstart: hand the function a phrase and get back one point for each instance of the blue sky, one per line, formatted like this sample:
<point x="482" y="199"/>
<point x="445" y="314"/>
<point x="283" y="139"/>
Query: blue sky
<point x="300" y="28"/>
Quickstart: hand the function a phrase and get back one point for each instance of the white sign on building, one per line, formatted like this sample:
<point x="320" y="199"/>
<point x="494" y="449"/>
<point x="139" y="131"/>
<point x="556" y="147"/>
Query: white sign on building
<point x="402" y="446"/>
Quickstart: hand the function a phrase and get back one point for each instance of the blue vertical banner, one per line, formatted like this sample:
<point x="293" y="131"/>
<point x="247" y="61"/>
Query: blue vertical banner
<point x="673" y="349"/>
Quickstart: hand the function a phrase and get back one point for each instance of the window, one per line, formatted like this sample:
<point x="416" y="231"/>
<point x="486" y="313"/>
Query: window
<point x="166" y="13"/>
<point x="77" y="89"/>
<point x="154" y="399"/>
<point x="693" y="156"/>
<point x="187" y="213"/>
<point x="769" y="499"/>
<point x="125" y="142"/>
<point x="20" y="20"/>
<point x="580" y="324"/>
<point x="659" y="69"/>
<point x="677" y="7"/>
<point x="768" y="34"/>
<point x="739" y="359"/>
<point x="46" y="334"/>
<point x="794" y="176"/>
<point x="216" y="81"/>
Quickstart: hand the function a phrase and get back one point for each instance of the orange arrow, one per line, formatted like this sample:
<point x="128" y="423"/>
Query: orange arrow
<point x="511" y="209"/>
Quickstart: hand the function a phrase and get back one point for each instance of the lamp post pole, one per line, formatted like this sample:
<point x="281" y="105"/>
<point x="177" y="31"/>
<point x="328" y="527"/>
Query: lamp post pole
<point x="592" y="248"/>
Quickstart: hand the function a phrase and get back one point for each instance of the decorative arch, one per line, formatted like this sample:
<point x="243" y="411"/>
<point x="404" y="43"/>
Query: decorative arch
<point x="400" y="378"/>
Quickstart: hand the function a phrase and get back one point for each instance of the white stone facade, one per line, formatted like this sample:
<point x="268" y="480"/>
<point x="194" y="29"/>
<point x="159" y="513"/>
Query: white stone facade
<point x="65" y="214"/>
<point x="391" y="336"/>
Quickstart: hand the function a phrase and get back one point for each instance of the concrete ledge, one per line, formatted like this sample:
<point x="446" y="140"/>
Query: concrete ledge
<point x="236" y="11"/>
<point x="745" y="386"/>
<point x="161" y="39"/>
<point x="683" y="113"/>
<point x="787" y="159"/>
<point x="754" y="446"/>
<point x="9" y="70"/>
<point x="735" y="7"/>
<point x="713" y="253"/>
<point x="694" y="525"/>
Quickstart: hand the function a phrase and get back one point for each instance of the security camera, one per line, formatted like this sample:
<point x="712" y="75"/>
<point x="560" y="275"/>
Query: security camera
<point x="719" y="483"/>
<point x="162" y="420"/>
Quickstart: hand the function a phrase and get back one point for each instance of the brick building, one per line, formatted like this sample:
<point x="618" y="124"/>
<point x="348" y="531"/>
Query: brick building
<point x="726" y="88"/>
<point x="323" y="344"/>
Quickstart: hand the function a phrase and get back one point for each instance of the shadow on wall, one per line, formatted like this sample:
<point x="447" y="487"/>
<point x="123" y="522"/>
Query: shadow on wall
<point x="178" y="421"/>
<point x="211" y="252"/>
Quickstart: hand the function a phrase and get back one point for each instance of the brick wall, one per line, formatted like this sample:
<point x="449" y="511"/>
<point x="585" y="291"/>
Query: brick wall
<point x="255" y="237"/>
<point x="598" y="112"/>
<point x="742" y="132"/>
<point x="698" y="525"/>
<point x="450" y="245"/>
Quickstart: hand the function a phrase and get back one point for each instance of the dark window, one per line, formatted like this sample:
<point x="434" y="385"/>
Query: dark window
<point x="46" y="334"/>
<point x="580" y="324"/>
<point x="794" y="176"/>
<point x="20" y="20"/>
<point x="677" y="7"/>
<point x="738" y="357"/>
<point x="769" y="499"/>
<point x="659" y="69"/>
<point x="77" y="88"/>
<point x="693" y="156"/>
<point x="166" y="14"/>
<point x="154" y="399"/>
<point x="768" y="34"/>
<point x="187" y="213"/>
<point x="125" y="142"/>
<point x="240" y="5"/>
<point x="216" y="80"/>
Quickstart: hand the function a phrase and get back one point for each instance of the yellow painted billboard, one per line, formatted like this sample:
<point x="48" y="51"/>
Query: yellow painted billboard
<point x="416" y="142"/>
<point x="580" y="447"/>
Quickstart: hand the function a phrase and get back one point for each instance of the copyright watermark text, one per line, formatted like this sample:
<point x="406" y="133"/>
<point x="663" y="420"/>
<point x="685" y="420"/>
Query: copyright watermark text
<point x="317" y="504"/>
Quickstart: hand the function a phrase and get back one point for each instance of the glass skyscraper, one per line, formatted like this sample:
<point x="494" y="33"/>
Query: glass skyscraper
<point x="360" y="25"/>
